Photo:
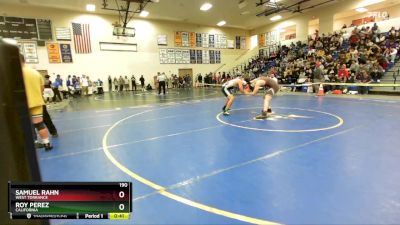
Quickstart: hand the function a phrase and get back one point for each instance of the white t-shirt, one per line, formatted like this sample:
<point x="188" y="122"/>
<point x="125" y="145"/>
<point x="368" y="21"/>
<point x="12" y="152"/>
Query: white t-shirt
<point x="84" y="82"/>
<point x="161" y="77"/>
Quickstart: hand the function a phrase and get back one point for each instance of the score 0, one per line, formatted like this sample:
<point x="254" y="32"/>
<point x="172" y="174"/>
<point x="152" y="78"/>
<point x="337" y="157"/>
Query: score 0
<point x="122" y="194"/>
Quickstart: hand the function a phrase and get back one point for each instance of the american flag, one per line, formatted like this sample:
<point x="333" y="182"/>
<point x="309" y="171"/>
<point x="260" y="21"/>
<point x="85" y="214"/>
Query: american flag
<point x="81" y="34"/>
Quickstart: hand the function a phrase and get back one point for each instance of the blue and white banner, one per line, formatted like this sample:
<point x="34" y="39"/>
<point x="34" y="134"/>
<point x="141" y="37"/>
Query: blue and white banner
<point x="66" y="53"/>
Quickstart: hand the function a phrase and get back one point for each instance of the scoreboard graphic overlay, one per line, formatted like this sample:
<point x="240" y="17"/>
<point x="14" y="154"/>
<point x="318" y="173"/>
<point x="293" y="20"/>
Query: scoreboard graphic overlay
<point x="72" y="200"/>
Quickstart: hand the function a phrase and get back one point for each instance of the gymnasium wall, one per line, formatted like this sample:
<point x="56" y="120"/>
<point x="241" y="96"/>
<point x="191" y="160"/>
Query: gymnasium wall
<point x="99" y="64"/>
<point x="393" y="11"/>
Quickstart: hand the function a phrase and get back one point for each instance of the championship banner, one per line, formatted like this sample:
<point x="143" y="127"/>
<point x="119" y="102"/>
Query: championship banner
<point x="274" y="37"/>
<point x="261" y="40"/>
<point x="230" y="44"/>
<point x="192" y="39"/>
<point x="163" y="56"/>
<point x="237" y="42"/>
<point x="267" y="39"/>
<point x="185" y="39"/>
<point x="178" y="56"/>
<point x="199" y="42"/>
<point x="171" y="55"/>
<point x="206" y="57"/>
<point x="53" y="50"/>
<point x="242" y="42"/>
<point x="212" y="57"/>
<point x="178" y="39"/>
<point x="211" y="41"/>
<point x="199" y="56"/>
<point x="217" y="57"/>
<point x="223" y="41"/>
<point x="217" y="38"/>
<point x="186" y="56"/>
<point x="192" y="56"/>
<point x="205" y="40"/>
<point x="30" y="52"/>
<point x="66" y="53"/>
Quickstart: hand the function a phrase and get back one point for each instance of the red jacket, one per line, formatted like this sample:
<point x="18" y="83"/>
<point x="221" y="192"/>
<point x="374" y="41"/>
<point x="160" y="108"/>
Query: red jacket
<point x="343" y="73"/>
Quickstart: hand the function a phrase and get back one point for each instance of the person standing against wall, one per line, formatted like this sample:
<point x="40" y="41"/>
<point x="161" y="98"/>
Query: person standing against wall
<point x="133" y="80"/>
<point x="109" y="83"/>
<point x="161" y="78"/>
<point x="85" y="85"/>
<point x="115" y="82"/>
<point x="126" y="83"/>
<point x="121" y="83"/>
<point x="142" y="82"/>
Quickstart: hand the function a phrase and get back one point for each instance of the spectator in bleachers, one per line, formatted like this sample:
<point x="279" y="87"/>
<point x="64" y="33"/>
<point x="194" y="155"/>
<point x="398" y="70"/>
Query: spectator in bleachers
<point x="343" y="74"/>
<point x="354" y="67"/>
<point x="353" y="53"/>
<point x="392" y="54"/>
<point x="354" y="38"/>
<point x="363" y="78"/>
<point x="363" y="49"/>
<point x="377" y="72"/>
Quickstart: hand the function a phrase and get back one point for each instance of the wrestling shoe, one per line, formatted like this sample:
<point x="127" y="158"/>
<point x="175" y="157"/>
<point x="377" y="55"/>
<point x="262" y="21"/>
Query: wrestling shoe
<point x="262" y="116"/>
<point x="39" y="145"/>
<point x="48" y="147"/>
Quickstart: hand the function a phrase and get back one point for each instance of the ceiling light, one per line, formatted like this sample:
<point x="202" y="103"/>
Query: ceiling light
<point x="361" y="10"/>
<point x="281" y="30"/>
<point x="91" y="7"/>
<point x="277" y="17"/>
<point x="206" y="6"/>
<point x="144" y="13"/>
<point x="272" y="3"/>
<point x="221" y="23"/>
<point x="365" y="3"/>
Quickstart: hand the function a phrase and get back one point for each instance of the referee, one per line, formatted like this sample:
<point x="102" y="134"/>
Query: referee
<point x="161" y="78"/>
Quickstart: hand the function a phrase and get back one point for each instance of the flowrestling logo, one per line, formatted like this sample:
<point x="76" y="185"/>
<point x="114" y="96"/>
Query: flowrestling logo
<point x="379" y="14"/>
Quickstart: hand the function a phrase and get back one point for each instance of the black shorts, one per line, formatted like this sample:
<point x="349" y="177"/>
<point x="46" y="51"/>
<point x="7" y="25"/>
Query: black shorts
<point x="227" y="91"/>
